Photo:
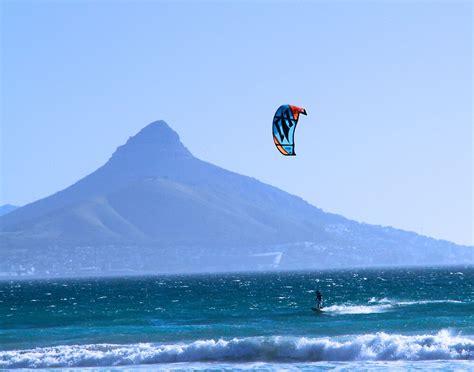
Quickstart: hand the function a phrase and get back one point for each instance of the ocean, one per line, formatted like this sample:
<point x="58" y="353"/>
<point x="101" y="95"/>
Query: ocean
<point x="377" y="319"/>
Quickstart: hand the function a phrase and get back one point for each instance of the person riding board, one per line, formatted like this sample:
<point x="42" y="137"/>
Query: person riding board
<point x="319" y="299"/>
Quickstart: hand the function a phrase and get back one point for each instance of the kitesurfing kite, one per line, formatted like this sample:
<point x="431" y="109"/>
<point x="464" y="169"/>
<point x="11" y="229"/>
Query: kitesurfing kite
<point x="284" y="124"/>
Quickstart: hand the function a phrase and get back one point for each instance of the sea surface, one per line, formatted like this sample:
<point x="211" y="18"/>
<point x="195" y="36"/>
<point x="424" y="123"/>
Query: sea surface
<point x="378" y="319"/>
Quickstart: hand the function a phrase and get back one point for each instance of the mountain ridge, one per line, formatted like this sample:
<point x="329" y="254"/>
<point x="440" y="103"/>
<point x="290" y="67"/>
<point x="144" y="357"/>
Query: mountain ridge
<point x="153" y="192"/>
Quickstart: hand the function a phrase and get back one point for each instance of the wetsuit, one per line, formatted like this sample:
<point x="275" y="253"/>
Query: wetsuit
<point x="319" y="298"/>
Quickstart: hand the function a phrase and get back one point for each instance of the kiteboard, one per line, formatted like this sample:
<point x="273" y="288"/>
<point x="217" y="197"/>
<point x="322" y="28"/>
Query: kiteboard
<point x="316" y="310"/>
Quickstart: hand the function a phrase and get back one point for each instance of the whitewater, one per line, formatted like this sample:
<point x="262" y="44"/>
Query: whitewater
<point x="382" y="319"/>
<point x="377" y="347"/>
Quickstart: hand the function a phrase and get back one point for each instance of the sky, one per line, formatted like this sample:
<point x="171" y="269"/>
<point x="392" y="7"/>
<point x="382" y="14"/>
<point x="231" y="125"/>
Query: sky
<point x="387" y="86"/>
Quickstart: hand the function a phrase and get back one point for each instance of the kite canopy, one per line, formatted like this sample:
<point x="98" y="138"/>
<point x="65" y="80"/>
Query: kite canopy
<point x="284" y="124"/>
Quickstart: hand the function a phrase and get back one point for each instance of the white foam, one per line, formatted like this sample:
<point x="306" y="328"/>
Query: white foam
<point x="424" y="302"/>
<point x="356" y="309"/>
<point x="370" y="347"/>
<point x="395" y="302"/>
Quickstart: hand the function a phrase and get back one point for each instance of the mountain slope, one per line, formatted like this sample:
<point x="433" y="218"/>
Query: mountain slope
<point x="7" y="208"/>
<point x="153" y="194"/>
<point x="153" y="189"/>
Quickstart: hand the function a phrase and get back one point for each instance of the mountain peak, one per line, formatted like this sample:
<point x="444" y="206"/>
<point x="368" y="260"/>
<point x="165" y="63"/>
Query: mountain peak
<point x="158" y="131"/>
<point x="155" y="142"/>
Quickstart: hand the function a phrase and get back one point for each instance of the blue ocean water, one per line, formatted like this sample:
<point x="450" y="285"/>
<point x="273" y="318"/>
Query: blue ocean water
<point x="414" y="318"/>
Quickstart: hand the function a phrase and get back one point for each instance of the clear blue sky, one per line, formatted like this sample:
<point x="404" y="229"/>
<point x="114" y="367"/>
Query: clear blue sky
<point x="387" y="86"/>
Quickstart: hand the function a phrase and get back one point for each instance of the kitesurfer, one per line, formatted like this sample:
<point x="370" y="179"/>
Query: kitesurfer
<point x="319" y="299"/>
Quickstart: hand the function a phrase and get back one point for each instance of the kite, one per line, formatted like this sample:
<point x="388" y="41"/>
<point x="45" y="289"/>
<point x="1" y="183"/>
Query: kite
<point x="284" y="124"/>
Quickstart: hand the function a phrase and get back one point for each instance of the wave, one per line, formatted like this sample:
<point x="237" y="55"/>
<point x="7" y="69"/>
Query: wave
<point x="425" y="302"/>
<point x="356" y="309"/>
<point x="387" y="301"/>
<point x="384" y="300"/>
<point x="370" y="347"/>
<point x="380" y="305"/>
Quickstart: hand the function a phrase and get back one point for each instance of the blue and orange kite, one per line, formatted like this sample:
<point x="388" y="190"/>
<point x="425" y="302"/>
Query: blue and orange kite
<point x="284" y="124"/>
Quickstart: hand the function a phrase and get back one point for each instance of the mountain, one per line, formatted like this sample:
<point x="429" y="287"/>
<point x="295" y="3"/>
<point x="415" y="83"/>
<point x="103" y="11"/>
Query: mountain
<point x="154" y="207"/>
<point x="7" y="208"/>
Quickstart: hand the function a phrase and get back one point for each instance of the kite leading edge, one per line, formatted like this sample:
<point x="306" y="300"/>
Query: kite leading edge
<point x="284" y="124"/>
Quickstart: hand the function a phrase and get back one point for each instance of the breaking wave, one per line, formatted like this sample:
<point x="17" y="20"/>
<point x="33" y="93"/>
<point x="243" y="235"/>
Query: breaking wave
<point x="370" y="347"/>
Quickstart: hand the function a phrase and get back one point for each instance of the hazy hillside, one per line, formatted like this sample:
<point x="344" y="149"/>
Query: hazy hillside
<point x="153" y="207"/>
<point x="7" y="208"/>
